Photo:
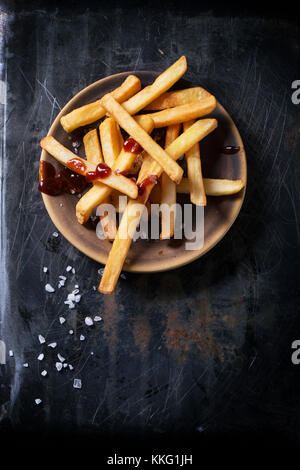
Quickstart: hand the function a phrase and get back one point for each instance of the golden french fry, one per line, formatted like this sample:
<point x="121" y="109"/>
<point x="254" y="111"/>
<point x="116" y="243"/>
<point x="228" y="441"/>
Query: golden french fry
<point x="92" y="112"/>
<point x="168" y="191"/>
<point x="177" y="98"/>
<point x="130" y="218"/>
<point x="81" y="166"/>
<point x="99" y="191"/>
<point x="92" y="147"/>
<point x="184" y="113"/>
<point x="213" y="187"/>
<point x="111" y="140"/>
<point x="194" y="170"/>
<point x="173" y="170"/>
<point x="161" y="84"/>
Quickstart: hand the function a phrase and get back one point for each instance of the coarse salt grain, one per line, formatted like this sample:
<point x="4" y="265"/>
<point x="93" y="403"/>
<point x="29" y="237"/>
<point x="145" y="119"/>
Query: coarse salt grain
<point x="71" y="332"/>
<point x="58" y="366"/>
<point x="73" y="270"/>
<point x="25" y="364"/>
<point x="65" y="365"/>
<point x="68" y="268"/>
<point x="63" y="278"/>
<point x="123" y="276"/>
<point x="88" y="321"/>
<point x="71" y="367"/>
<point x="38" y="401"/>
<point x="62" y="320"/>
<point x="45" y="269"/>
<point x="49" y="288"/>
<point x="60" y="357"/>
<point x="52" y="345"/>
<point x="82" y="338"/>
<point x="41" y="339"/>
<point x="44" y="373"/>
<point x="41" y="357"/>
<point x="101" y="271"/>
<point x="77" y="383"/>
<point x="11" y="353"/>
<point x="97" y="318"/>
<point x="55" y="234"/>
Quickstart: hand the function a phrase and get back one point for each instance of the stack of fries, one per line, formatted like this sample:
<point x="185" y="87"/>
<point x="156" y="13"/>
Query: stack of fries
<point x="110" y="160"/>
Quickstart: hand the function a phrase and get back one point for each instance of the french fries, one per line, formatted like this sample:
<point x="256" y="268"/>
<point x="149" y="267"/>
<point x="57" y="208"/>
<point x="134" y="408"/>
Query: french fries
<point x="111" y="140"/>
<point x="124" y="119"/>
<point x="213" y="187"/>
<point x="92" y="147"/>
<point x="195" y="172"/>
<point x="65" y="156"/>
<point x="177" y="98"/>
<point x="162" y="83"/>
<point x="184" y="112"/>
<point x="168" y="190"/>
<point x="99" y="192"/>
<point x="159" y="176"/>
<point x="90" y="113"/>
<point x="131" y="216"/>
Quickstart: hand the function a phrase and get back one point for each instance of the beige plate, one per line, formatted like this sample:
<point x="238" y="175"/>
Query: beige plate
<point x="145" y="256"/>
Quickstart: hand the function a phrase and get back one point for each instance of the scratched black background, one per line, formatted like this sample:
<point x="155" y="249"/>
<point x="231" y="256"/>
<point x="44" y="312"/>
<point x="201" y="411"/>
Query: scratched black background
<point x="200" y="357"/>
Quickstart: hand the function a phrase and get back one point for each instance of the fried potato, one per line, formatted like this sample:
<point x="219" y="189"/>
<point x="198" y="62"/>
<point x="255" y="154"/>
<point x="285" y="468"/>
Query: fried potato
<point x="177" y="98"/>
<point x="92" y="147"/>
<point x="93" y="111"/>
<point x="111" y="140"/>
<point x="194" y="170"/>
<point x="213" y="187"/>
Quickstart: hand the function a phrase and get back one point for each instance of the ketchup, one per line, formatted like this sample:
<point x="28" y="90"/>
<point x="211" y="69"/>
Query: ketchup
<point x="77" y="165"/>
<point x="102" y="171"/>
<point x="152" y="179"/>
<point x="131" y="145"/>
<point x="230" y="149"/>
<point x="64" y="181"/>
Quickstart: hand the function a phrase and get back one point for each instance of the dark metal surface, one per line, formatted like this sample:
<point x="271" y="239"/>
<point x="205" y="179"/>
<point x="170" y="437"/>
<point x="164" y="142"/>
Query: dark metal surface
<point x="205" y="349"/>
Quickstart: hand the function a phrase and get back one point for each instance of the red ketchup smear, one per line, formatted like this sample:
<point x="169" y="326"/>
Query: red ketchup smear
<point x="102" y="171"/>
<point x="230" y="149"/>
<point x="64" y="181"/>
<point x="131" y="145"/>
<point x="152" y="179"/>
<point x="77" y="165"/>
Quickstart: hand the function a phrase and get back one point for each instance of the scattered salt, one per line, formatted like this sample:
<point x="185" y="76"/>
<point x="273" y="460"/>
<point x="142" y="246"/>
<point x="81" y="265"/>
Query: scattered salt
<point x="45" y="269"/>
<point x="71" y="332"/>
<point x="38" y="401"/>
<point x="82" y="338"/>
<point x="52" y="345"/>
<point x="25" y="364"/>
<point x="88" y="321"/>
<point x="49" y="288"/>
<point x="11" y="353"/>
<point x="61" y="283"/>
<point x="101" y="271"/>
<point x="68" y="268"/>
<point x="62" y="320"/>
<point x="44" y="373"/>
<point x="73" y="270"/>
<point x="97" y="318"/>
<point x="58" y="366"/>
<point x="41" y="357"/>
<point x="60" y="357"/>
<point x="76" y="286"/>
<point x="77" y="383"/>
<point x="41" y="339"/>
<point x="123" y="276"/>
<point x="55" y="234"/>
<point x="71" y="367"/>
<point x="63" y="278"/>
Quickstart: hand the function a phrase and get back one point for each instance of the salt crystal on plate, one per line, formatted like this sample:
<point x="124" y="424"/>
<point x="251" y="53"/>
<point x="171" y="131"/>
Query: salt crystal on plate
<point x="61" y="358"/>
<point x="55" y="234"/>
<point x="101" y="271"/>
<point x="77" y="383"/>
<point x="41" y="339"/>
<point x="71" y="367"/>
<point x="76" y="286"/>
<point x="25" y="364"/>
<point x="52" y="345"/>
<point x="45" y="269"/>
<point x="58" y="366"/>
<point x="44" y="373"/>
<point x="88" y="321"/>
<point x="68" y="268"/>
<point x="38" y="401"/>
<point x="82" y="338"/>
<point x="65" y="365"/>
<point x="41" y="357"/>
<point x="73" y="270"/>
<point x="97" y="318"/>
<point x="62" y="320"/>
<point x="11" y="353"/>
<point x="49" y="288"/>
<point x="71" y="332"/>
